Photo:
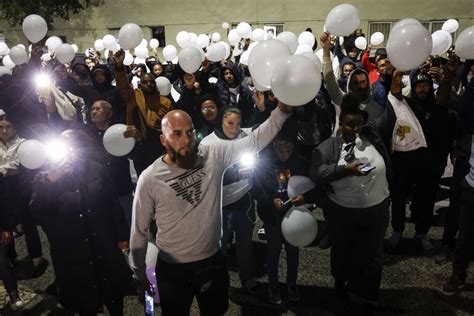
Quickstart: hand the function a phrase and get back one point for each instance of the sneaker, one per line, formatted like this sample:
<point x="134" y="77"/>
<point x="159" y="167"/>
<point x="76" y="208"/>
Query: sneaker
<point x="16" y="302"/>
<point x="293" y="293"/>
<point x="274" y="295"/>
<point x="261" y="234"/>
<point x="443" y="254"/>
<point x="453" y="286"/>
<point x="424" y="242"/>
<point x="395" y="239"/>
<point x="325" y="242"/>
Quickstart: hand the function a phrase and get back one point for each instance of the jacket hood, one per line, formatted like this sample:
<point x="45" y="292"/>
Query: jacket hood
<point x="107" y="73"/>
<point x="358" y="71"/>
<point x="235" y="72"/>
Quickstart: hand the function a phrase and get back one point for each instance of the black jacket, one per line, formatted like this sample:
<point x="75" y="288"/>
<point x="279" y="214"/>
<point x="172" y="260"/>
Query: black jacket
<point x="84" y="222"/>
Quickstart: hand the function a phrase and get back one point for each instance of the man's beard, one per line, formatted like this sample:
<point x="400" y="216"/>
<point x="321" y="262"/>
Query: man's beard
<point x="361" y="94"/>
<point x="422" y="97"/>
<point x="183" y="161"/>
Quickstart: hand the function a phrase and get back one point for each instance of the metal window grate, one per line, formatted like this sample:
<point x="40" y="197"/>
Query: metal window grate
<point x="383" y="27"/>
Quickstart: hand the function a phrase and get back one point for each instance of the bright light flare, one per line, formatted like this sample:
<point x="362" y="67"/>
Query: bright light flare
<point x="247" y="160"/>
<point x="57" y="151"/>
<point x="42" y="80"/>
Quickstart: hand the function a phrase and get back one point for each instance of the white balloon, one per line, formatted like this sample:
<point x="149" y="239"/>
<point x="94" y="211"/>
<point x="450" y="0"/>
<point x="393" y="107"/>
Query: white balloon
<point x="233" y="37"/>
<point x="290" y="39"/>
<point x="252" y="46"/>
<point x="263" y="58"/>
<point x="163" y="85"/>
<point x="4" y="50"/>
<point x="342" y="20"/>
<point x="299" y="227"/>
<point x="130" y="35"/>
<point x="442" y="41"/>
<point x="22" y="46"/>
<point x="237" y="51"/>
<point x="109" y="41"/>
<point x="227" y="49"/>
<point x="151" y="255"/>
<point x="244" y="58"/>
<point x="295" y="80"/>
<point x="244" y="30"/>
<point x="99" y="45"/>
<point x="341" y="40"/>
<point x="65" y="53"/>
<point x="377" y="38"/>
<point x="201" y="51"/>
<point x="306" y="38"/>
<point x="18" y="55"/>
<point x="409" y="46"/>
<point x="257" y="35"/>
<point x="225" y="25"/>
<point x="128" y="60"/>
<point x="450" y="26"/>
<point x="46" y="57"/>
<point x="216" y="37"/>
<point x="35" y="28"/>
<point x="75" y="48"/>
<point x="192" y="38"/>
<point x="5" y="71"/>
<point x="154" y="43"/>
<point x="404" y="22"/>
<point x="465" y="43"/>
<point x="116" y="48"/>
<point x="53" y="42"/>
<point x="169" y="52"/>
<point x="141" y="51"/>
<point x="190" y="59"/>
<point x="144" y="43"/>
<point x="115" y="143"/>
<point x="216" y="52"/>
<point x="298" y="185"/>
<point x="7" y="62"/>
<point x="139" y="60"/>
<point x="315" y="59"/>
<point x="202" y="40"/>
<point x="183" y="39"/>
<point x="361" y="43"/>
<point x="303" y="48"/>
<point x="32" y="154"/>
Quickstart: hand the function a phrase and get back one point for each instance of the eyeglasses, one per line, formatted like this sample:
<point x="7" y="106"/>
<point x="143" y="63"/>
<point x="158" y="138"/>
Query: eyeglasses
<point x="205" y="110"/>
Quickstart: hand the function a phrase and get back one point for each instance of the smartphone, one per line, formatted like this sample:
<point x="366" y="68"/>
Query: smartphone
<point x="149" y="305"/>
<point x="367" y="168"/>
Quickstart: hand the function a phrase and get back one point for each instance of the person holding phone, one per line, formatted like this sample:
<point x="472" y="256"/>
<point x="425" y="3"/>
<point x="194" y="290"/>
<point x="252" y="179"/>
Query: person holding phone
<point x="352" y="172"/>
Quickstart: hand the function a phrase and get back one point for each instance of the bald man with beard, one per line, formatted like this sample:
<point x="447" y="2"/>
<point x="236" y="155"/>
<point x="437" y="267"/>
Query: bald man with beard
<point x="181" y="190"/>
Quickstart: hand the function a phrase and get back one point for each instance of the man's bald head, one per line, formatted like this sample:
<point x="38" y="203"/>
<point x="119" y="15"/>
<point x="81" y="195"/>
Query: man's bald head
<point x="179" y="139"/>
<point x="174" y="118"/>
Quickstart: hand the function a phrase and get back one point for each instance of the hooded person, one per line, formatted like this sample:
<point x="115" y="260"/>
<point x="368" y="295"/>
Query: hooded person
<point x="209" y="108"/>
<point x="101" y="78"/>
<point x="238" y="209"/>
<point x="231" y="90"/>
<point x="77" y="207"/>
<point x="419" y="133"/>
<point x="358" y="84"/>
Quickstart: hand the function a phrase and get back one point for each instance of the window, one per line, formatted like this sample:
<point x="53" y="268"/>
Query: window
<point x="382" y="27"/>
<point x="386" y="26"/>
<point x="158" y="32"/>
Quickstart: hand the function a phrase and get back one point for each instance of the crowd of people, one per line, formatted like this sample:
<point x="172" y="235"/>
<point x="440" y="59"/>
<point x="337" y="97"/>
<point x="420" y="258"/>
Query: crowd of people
<point x="372" y="139"/>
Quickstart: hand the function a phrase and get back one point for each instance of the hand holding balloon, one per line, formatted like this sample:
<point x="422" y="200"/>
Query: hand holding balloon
<point x="119" y="56"/>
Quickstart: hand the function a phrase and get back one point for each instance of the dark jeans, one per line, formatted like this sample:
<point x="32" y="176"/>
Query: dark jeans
<point x="465" y="242"/>
<point x="357" y="246"/>
<point x="275" y="242"/>
<point x="411" y="173"/>
<point x="7" y="275"/>
<point x="179" y="283"/>
<point x="451" y="222"/>
<point x="240" y="217"/>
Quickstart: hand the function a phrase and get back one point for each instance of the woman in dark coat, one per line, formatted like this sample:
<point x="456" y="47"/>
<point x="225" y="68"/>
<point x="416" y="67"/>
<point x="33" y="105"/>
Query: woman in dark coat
<point x="74" y="202"/>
